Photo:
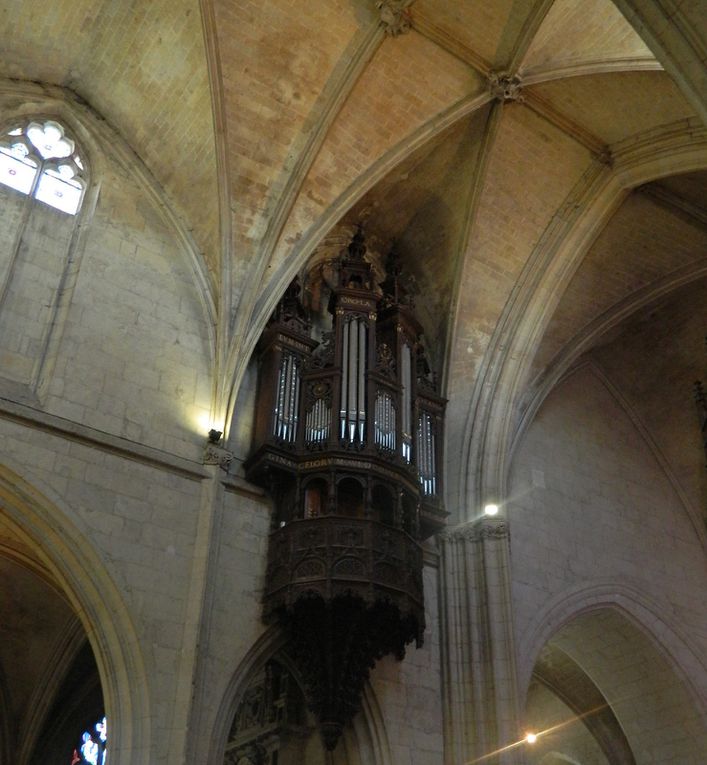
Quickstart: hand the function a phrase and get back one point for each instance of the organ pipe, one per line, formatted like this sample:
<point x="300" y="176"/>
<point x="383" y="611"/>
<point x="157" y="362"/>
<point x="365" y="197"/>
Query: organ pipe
<point x="344" y="380"/>
<point x="426" y="458"/>
<point x="365" y="388"/>
<point x="361" y="380"/>
<point x="287" y="401"/>
<point x="353" y="382"/>
<point x="385" y="421"/>
<point x="353" y="387"/>
<point x="318" y="423"/>
<point x="406" y="413"/>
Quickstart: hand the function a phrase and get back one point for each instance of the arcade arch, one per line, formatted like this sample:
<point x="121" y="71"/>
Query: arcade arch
<point x="604" y="690"/>
<point x="91" y="660"/>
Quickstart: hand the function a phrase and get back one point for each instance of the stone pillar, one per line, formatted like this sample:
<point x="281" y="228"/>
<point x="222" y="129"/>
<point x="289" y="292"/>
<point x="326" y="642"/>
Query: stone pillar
<point x="481" y="705"/>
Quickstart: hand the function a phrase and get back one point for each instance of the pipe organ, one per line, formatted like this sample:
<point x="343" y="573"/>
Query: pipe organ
<point x="348" y="439"/>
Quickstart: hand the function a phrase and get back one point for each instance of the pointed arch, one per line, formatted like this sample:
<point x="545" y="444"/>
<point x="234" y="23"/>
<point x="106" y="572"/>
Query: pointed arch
<point x="41" y="520"/>
<point x="605" y="653"/>
<point x="673" y="645"/>
<point x="658" y="153"/>
<point x="368" y="726"/>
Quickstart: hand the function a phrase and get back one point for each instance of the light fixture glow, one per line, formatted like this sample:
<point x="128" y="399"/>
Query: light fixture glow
<point x="491" y="510"/>
<point x="531" y="738"/>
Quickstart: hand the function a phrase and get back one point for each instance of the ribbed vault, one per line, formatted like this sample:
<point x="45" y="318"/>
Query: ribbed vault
<point x="268" y="130"/>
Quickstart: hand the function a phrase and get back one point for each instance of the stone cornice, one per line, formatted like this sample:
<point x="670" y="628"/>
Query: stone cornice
<point x="83" y="434"/>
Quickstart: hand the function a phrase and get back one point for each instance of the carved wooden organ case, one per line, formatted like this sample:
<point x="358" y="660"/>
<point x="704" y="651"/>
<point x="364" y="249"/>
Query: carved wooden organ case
<point x="348" y="440"/>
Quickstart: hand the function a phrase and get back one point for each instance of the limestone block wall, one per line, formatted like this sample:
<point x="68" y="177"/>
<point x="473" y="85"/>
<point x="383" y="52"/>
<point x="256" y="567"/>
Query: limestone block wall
<point x="103" y="323"/>
<point x="140" y="523"/>
<point x="111" y="434"/>
<point x="409" y="692"/>
<point x="233" y="636"/>
<point x="595" y="520"/>
<point x="134" y="359"/>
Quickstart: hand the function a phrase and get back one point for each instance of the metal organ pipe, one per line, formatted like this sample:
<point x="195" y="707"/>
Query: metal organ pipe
<point x="426" y="460"/>
<point x="353" y="382"/>
<point x="295" y="401"/>
<point x="288" y="397"/>
<point x="344" y="380"/>
<point x="318" y="422"/>
<point x="277" y="425"/>
<point x="385" y="421"/>
<point x="288" y="387"/>
<point x="361" y="380"/>
<point x="353" y="358"/>
<point x="353" y="387"/>
<point x="407" y="402"/>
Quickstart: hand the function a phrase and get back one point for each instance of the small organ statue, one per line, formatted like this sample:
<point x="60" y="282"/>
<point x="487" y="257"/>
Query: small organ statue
<point x="348" y="440"/>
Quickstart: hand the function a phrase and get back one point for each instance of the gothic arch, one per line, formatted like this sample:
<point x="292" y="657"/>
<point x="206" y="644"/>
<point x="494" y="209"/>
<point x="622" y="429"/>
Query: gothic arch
<point x="487" y="440"/>
<point x="40" y="519"/>
<point x="610" y="661"/>
<point x="239" y="355"/>
<point x="368" y="734"/>
<point x="633" y="606"/>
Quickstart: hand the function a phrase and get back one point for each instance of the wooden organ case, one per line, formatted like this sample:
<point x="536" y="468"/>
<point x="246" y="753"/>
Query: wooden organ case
<point x="348" y="440"/>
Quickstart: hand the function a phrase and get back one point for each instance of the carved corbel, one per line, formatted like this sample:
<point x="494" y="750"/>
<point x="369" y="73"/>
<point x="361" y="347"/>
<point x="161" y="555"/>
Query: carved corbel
<point x="478" y="531"/>
<point x="217" y="455"/>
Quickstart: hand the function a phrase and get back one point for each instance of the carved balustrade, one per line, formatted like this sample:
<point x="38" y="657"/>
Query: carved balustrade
<point x="334" y="556"/>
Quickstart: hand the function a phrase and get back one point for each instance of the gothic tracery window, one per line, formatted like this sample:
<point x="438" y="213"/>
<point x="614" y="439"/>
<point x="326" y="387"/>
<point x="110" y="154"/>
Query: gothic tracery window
<point x="44" y="179"/>
<point x="38" y="159"/>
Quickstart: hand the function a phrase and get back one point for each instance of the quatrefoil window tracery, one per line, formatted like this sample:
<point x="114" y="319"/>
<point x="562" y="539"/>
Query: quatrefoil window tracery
<point x="40" y="160"/>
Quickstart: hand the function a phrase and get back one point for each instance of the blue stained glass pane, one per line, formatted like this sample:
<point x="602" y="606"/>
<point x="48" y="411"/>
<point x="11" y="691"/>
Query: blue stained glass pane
<point x="92" y="749"/>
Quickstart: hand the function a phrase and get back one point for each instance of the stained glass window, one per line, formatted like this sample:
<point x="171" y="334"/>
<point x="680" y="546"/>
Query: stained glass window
<point x="92" y="748"/>
<point x="40" y="160"/>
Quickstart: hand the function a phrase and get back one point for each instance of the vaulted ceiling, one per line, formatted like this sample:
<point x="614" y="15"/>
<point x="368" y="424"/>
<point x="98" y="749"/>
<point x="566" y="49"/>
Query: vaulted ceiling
<point x="540" y="164"/>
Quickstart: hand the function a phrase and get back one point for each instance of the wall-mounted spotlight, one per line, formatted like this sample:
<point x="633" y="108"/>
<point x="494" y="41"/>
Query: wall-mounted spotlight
<point x="214" y="436"/>
<point x="491" y="509"/>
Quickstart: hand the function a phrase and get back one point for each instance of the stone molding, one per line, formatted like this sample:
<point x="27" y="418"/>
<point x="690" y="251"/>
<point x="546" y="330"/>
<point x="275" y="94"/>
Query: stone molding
<point x="35" y="419"/>
<point x="481" y="708"/>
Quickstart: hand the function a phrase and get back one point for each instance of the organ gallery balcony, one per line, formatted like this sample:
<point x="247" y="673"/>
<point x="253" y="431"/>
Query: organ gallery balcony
<point x="334" y="556"/>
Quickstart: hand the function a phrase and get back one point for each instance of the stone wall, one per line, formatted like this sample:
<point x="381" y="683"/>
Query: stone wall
<point x="595" y="521"/>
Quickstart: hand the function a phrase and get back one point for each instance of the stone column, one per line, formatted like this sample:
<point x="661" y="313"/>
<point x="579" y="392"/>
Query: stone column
<point x="481" y="705"/>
